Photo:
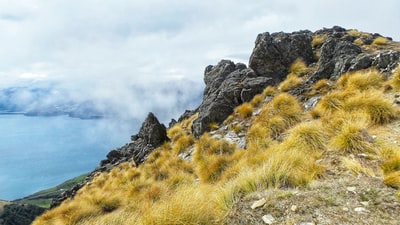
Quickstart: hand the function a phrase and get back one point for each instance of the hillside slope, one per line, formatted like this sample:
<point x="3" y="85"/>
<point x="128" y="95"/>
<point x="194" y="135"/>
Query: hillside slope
<point x="307" y="134"/>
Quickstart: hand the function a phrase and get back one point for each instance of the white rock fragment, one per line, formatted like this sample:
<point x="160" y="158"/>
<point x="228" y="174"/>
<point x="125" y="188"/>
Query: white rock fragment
<point x="258" y="203"/>
<point x="361" y="210"/>
<point x="351" y="189"/>
<point x="293" y="208"/>
<point x="364" y="203"/>
<point x="268" y="219"/>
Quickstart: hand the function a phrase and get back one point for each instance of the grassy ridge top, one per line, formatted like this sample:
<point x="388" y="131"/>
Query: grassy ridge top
<point x="336" y="161"/>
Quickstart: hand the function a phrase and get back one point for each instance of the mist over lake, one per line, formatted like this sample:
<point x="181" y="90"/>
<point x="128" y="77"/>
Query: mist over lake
<point x="41" y="152"/>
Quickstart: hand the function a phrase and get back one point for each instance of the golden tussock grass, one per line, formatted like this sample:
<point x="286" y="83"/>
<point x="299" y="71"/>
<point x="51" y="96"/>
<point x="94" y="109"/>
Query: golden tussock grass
<point x="309" y="137"/>
<point x="390" y="156"/>
<point x="361" y="80"/>
<point x="318" y="40"/>
<point x="358" y="41"/>
<point x="259" y="136"/>
<point x="393" y="179"/>
<point x="213" y="126"/>
<point x="189" y="205"/>
<point x="380" y="41"/>
<point x="291" y="82"/>
<point x="331" y="102"/>
<point x="183" y="143"/>
<point x="395" y="79"/>
<point x="298" y="67"/>
<point x="175" y="132"/>
<point x="379" y="108"/>
<point x="352" y="137"/>
<point x="257" y="100"/>
<point x="355" y="167"/>
<point x="269" y="91"/>
<point x="321" y="87"/>
<point x="244" y="110"/>
<point x="212" y="157"/>
<point x="288" y="107"/>
<point x="279" y="168"/>
<point x="357" y="33"/>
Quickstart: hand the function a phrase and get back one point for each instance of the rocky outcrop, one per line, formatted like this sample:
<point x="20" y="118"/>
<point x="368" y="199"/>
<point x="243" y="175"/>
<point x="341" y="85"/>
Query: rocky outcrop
<point x="339" y="54"/>
<point x="151" y="135"/>
<point x="274" y="53"/>
<point x="227" y="86"/>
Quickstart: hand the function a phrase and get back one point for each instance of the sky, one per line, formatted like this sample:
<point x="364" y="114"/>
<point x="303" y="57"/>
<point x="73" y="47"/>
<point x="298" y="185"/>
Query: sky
<point x="149" y="55"/>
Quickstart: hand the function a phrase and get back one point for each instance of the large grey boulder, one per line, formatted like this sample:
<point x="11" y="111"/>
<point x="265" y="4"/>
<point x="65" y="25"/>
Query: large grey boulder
<point x="274" y="53"/>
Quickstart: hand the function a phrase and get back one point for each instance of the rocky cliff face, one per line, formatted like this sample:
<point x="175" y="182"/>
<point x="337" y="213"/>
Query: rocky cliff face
<point x="229" y="84"/>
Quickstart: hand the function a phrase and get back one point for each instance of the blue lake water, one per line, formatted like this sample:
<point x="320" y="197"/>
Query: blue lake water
<point x="40" y="152"/>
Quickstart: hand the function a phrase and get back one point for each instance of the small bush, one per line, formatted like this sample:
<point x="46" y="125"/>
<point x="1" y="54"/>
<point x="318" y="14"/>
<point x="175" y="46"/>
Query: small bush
<point x="380" y="41"/>
<point x="292" y="81"/>
<point x="244" y="110"/>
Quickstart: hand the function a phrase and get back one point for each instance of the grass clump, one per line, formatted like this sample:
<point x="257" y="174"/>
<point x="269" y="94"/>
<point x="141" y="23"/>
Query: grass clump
<point x="352" y="138"/>
<point x="298" y="67"/>
<point x="318" y="40"/>
<point x="379" y="108"/>
<point x="190" y="205"/>
<point x="212" y="158"/>
<point x="393" y="179"/>
<point x="308" y="136"/>
<point x="292" y="81"/>
<point x="361" y="80"/>
<point x="380" y="41"/>
<point x="395" y="79"/>
<point x="356" y="167"/>
<point x="244" y="110"/>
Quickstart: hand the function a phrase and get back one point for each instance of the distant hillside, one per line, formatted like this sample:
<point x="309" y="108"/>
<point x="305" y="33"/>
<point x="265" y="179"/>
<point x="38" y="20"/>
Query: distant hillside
<point x="43" y="198"/>
<point x="308" y="133"/>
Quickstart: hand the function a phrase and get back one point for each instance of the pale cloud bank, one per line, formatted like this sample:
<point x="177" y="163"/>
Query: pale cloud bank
<point x="139" y="56"/>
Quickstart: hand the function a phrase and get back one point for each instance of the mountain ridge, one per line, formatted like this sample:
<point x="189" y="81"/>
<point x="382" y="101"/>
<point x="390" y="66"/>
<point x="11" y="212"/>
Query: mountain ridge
<point x="256" y="108"/>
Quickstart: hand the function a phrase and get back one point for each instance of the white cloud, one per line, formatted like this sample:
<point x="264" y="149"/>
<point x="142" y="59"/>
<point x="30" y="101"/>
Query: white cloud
<point x="105" y="49"/>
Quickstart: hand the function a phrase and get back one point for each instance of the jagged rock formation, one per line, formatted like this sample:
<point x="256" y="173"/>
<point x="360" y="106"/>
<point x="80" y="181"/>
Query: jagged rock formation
<point x="227" y="86"/>
<point x="151" y="135"/>
<point x="339" y="54"/>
